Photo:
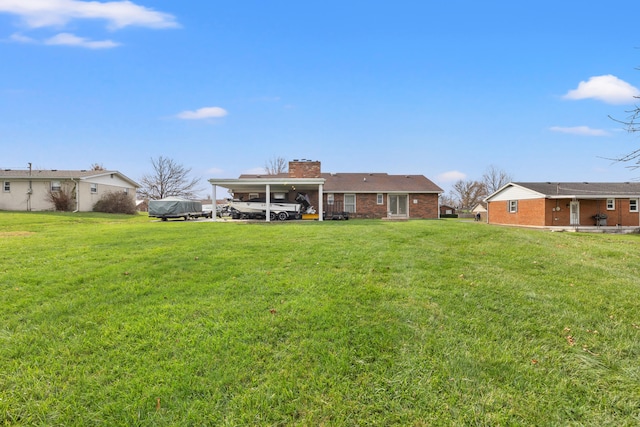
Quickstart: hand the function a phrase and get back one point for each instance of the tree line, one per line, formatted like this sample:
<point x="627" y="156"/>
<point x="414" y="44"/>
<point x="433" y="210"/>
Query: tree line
<point x="465" y="194"/>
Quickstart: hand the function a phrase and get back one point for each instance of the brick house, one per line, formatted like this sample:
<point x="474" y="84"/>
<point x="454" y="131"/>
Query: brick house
<point x="566" y="204"/>
<point x="362" y="195"/>
<point x="28" y="190"/>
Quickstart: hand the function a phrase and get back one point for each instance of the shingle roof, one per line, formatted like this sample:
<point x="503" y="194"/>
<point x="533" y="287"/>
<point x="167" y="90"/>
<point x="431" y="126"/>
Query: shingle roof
<point x="367" y="182"/>
<point x="58" y="174"/>
<point x="378" y="182"/>
<point x="584" y="189"/>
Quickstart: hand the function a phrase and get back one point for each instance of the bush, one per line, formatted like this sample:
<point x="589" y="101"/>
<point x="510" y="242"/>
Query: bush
<point x="63" y="199"/>
<point x="115" y="202"/>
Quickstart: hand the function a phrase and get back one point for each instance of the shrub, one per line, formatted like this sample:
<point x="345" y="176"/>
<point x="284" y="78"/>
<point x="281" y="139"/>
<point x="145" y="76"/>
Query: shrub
<point x="115" y="202"/>
<point x="62" y="199"/>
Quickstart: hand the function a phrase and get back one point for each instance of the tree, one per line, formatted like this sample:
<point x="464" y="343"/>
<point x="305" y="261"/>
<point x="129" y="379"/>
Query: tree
<point x="469" y="193"/>
<point x="97" y="167"/>
<point x="494" y="178"/>
<point x="632" y="125"/>
<point x="168" y="179"/>
<point x="276" y="165"/>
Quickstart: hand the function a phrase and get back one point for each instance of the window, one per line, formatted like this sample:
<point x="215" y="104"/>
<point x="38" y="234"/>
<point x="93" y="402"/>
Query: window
<point x="56" y="186"/>
<point x="611" y="204"/>
<point x="633" y="205"/>
<point x="513" y="206"/>
<point x="94" y="188"/>
<point x="7" y="186"/>
<point x="350" y="203"/>
<point x="380" y="200"/>
<point x="126" y="191"/>
<point x="330" y="198"/>
<point x="253" y="196"/>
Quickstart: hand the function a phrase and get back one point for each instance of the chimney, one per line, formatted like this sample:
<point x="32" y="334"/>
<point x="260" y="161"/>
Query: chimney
<point x="304" y="169"/>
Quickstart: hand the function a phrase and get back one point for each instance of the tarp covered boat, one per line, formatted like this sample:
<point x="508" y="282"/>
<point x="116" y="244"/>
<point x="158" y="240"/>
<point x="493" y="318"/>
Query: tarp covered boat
<point x="175" y="207"/>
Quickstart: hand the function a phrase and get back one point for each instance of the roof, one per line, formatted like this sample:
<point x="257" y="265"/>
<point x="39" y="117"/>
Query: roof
<point x="577" y="189"/>
<point x="60" y="174"/>
<point x="378" y="182"/>
<point x="335" y="183"/>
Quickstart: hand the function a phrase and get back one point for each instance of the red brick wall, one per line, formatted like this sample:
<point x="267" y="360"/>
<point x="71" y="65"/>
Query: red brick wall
<point x="543" y="212"/>
<point x="367" y="206"/>
<point x="530" y="212"/>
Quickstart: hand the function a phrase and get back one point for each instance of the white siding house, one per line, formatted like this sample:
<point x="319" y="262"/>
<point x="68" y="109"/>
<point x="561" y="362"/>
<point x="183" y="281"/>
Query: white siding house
<point x="28" y="190"/>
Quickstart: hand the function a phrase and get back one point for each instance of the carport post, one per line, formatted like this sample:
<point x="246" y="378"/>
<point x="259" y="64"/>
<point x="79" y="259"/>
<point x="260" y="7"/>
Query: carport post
<point x="214" y="208"/>
<point x="268" y="199"/>
<point x="320" y="202"/>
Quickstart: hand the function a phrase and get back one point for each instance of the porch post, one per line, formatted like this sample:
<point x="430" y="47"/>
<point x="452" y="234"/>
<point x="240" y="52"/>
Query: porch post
<point x="320" y="205"/>
<point x="268" y="200"/>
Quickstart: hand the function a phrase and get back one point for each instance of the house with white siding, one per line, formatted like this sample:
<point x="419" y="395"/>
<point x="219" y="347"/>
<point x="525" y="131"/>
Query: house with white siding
<point x="30" y="190"/>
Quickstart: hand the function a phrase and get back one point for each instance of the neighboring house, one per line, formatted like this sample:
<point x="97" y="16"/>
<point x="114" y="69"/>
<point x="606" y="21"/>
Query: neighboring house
<point x="142" y="205"/>
<point x="565" y="204"/>
<point x="28" y="190"/>
<point x="447" y="210"/>
<point x="363" y="195"/>
<point x="480" y="208"/>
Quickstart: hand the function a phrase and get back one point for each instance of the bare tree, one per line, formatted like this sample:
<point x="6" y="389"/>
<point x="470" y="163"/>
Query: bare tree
<point x="168" y="179"/>
<point x="469" y="193"/>
<point x="276" y="165"/>
<point x="97" y="167"/>
<point x="448" y="200"/>
<point x="632" y="125"/>
<point x="494" y="178"/>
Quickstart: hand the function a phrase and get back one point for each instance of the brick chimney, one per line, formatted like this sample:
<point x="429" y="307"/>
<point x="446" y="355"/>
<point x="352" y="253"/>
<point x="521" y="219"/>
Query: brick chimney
<point x="304" y="169"/>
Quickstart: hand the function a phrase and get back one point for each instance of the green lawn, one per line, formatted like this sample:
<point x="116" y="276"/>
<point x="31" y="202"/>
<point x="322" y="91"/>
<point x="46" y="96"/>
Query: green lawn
<point x="113" y="320"/>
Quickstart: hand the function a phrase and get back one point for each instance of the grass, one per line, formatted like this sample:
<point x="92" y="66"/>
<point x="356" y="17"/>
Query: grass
<point x="114" y="320"/>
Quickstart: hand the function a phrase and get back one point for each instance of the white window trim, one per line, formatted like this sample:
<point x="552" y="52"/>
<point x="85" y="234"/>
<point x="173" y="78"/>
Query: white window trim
<point x="512" y="206"/>
<point x="611" y="204"/>
<point x="344" y="203"/>
<point x="94" y="188"/>
<point x="330" y="198"/>
<point x="6" y="186"/>
<point x="253" y="196"/>
<point x="56" y="185"/>
<point x="380" y="199"/>
<point x="633" y="205"/>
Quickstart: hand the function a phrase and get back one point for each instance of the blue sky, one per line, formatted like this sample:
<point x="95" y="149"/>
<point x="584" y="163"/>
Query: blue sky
<point x="443" y="89"/>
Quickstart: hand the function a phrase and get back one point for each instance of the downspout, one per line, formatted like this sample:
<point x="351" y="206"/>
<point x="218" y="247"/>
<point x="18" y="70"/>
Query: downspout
<point x="77" y="195"/>
<point x="29" y="190"/>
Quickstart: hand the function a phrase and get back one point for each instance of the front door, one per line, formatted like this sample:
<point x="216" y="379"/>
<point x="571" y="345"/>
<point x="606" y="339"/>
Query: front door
<point x="398" y="204"/>
<point x="574" y="211"/>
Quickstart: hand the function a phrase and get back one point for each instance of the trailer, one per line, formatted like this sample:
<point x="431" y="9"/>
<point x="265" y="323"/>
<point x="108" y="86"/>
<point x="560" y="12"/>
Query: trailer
<point x="176" y="207"/>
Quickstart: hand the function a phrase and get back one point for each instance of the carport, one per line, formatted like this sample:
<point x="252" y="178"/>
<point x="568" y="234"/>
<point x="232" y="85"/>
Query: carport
<point x="269" y="185"/>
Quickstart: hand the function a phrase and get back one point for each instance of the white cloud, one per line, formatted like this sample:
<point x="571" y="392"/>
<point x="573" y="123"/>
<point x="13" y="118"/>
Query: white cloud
<point x="608" y="88"/>
<point x="17" y="37"/>
<point x="203" y="113"/>
<point x="57" y="13"/>
<point x="451" y="176"/>
<point x="579" y="130"/>
<point x="68" y="39"/>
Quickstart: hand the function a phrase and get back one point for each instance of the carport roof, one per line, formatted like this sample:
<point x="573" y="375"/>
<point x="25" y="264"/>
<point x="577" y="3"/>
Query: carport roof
<point x="257" y="183"/>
